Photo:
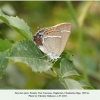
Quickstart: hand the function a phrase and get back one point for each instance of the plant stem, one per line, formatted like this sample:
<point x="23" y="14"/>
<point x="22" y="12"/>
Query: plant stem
<point x="80" y="36"/>
<point x="54" y="72"/>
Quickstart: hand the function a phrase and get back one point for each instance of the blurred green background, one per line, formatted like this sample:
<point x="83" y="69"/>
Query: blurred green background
<point x="83" y="44"/>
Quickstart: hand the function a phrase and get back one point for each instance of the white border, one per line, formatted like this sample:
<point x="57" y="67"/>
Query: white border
<point x="50" y="94"/>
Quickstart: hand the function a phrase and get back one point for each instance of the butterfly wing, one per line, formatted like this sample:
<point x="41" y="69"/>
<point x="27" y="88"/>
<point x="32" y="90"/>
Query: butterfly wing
<point x="56" y="40"/>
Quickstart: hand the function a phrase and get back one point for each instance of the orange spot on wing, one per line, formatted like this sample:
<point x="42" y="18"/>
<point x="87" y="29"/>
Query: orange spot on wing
<point x="48" y="31"/>
<point x="38" y="36"/>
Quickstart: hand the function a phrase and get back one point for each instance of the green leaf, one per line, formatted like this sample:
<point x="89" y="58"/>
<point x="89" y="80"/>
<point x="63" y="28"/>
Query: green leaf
<point x="70" y="83"/>
<point x="27" y="52"/>
<point x="3" y="62"/>
<point x="85" y="84"/>
<point x="4" y="45"/>
<point x="67" y="68"/>
<point x="18" y="24"/>
<point x="69" y="76"/>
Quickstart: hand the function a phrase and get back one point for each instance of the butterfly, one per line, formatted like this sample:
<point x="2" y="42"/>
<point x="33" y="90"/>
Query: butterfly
<point x="52" y="40"/>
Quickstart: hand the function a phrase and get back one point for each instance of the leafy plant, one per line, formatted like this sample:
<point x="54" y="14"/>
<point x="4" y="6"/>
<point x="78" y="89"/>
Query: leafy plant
<point x="27" y="52"/>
